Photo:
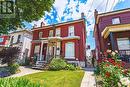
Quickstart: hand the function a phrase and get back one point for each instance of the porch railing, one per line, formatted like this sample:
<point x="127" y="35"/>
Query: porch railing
<point x="125" y="55"/>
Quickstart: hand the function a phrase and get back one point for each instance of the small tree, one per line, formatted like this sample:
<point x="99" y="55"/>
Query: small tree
<point x="9" y="55"/>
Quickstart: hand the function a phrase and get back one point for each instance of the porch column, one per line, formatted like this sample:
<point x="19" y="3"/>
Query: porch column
<point x="112" y="41"/>
<point x="41" y="50"/>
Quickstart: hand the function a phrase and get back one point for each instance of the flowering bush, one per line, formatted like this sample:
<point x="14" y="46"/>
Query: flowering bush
<point x="111" y="70"/>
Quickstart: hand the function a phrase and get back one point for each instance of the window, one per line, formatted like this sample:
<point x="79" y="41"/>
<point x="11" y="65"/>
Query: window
<point x="37" y="49"/>
<point x="71" y="31"/>
<point x="58" y="48"/>
<point x="19" y="38"/>
<point x="115" y="21"/>
<point x="51" y="33"/>
<point x="69" y="50"/>
<point x="1" y="39"/>
<point x="123" y="43"/>
<point x="40" y="34"/>
<point x="58" y="32"/>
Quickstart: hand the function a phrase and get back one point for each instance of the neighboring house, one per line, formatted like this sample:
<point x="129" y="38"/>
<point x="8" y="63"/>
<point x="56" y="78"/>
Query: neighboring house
<point x="4" y="39"/>
<point x="21" y="38"/>
<point x="112" y="31"/>
<point x="67" y="40"/>
<point x="88" y="56"/>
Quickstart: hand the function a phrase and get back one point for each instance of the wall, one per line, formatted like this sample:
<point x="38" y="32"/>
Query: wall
<point x="80" y="45"/>
<point x="107" y="21"/>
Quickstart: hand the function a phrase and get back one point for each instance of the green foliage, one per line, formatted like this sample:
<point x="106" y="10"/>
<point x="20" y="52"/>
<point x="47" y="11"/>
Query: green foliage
<point x="9" y="55"/>
<point x="25" y="10"/>
<point x="13" y="68"/>
<point x="62" y="78"/>
<point x="111" y="70"/>
<point x="70" y="67"/>
<point x="57" y="64"/>
<point x="17" y="82"/>
<point x="97" y="71"/>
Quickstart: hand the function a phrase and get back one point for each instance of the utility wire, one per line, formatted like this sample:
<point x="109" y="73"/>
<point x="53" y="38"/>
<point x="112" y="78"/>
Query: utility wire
<point x="112" y="5"/>
<point x="90" y="8"/>
<point x="106" y="6"/>
<point x="97" y="7"/>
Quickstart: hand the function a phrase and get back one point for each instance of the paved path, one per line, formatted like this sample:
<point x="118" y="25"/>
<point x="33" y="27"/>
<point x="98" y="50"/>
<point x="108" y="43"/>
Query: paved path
<point x="88" y="79"/>
<point x="25" y="71"/>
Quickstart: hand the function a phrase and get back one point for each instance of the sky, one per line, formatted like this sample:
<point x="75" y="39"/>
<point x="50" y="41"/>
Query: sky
<point x="68" y="10"/>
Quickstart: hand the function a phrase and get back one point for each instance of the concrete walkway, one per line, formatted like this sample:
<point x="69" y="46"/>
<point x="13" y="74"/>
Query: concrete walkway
<point x="25" y="71"/>
<point x="88" y="79"/>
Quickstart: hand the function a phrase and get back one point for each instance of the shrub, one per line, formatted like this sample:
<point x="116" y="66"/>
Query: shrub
<point x="70" y="67"/>
<point x="111" y="70"/>
<point x="57" y="64"/>
<point x="9" y="55"/>
<point x="97" y="71"/>
<point x="14" y="68"/>
<point x="17" y="82"/>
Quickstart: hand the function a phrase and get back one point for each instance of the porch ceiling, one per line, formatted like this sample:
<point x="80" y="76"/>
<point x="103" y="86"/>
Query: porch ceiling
<point x="115" y="28"/>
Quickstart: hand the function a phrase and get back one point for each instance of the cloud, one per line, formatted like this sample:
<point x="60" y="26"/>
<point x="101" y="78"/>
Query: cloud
<point x="71" y="10"/>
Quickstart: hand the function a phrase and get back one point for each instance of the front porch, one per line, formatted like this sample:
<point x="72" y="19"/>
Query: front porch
<point x="117" y="37"/>
<point x="45" y="50"/>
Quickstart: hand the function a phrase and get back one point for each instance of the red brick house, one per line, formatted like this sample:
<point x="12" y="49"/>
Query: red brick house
<point x="112" y="31"/>
<point x="67" y="40"/>
<point x="3" y="41"/>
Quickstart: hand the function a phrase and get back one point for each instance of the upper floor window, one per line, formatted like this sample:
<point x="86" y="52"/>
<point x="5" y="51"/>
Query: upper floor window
<point x="115" y="21"/>
<point x="58" y="32"/>
<point x="71" y="31"/>
<point x="40" y="34"/>
<point x="19" y="38"/>
<point x="51" y="33"/>
<point x="1" y="39"/>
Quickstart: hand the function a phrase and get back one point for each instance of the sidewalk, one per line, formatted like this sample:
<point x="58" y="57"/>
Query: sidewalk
<point x="88" y="79"/>
<point x="25" y="71"/>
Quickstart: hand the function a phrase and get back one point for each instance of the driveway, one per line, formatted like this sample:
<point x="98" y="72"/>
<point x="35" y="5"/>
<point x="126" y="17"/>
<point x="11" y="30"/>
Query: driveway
<point x="25" y="71"/>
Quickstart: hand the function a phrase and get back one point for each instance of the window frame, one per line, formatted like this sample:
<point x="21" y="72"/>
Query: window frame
<point x="114" y="20"/>
<point x="71" y="31"/>
<point x="51" y="33"/>
<point x="71" y="55"/>
<point x="40" y="34"/>
<point x="58" y="34"/>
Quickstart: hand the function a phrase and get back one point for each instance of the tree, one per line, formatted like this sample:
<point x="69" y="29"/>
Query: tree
<point x="25" y="10"/>
<point x="9" y="55"/>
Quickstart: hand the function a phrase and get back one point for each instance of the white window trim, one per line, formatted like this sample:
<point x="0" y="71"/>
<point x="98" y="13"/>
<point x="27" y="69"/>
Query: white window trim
<point x="58" y="32"/>
<point x="40" y="34"/>
<point x="116" y="20"/>
<point x="70" y="57"/>
<point x="71" y="31"/>
<point x="51" y="33"/>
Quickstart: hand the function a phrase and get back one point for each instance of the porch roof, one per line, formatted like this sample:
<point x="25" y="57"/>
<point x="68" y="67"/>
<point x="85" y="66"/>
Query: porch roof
<point x="115" y="28"/>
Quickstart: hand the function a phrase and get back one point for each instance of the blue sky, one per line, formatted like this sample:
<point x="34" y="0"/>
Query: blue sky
<point x="67" y="10"/>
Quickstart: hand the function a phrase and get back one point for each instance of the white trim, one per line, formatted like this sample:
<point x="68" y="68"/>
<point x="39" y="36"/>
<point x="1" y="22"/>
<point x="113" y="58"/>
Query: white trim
<point x="69" y="57"/>
<point x="70" y="50"/>
<point x="70" y="37"/>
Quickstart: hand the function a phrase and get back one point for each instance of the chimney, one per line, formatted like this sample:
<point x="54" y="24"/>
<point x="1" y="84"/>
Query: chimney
<point x="95" y="13"/>
<point x="35" y="26"/>
<point x="82" y="15"/>
<point x="42" y="24"/>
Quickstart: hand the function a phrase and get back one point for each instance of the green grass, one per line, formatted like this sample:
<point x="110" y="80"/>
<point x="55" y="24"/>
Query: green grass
<point x="57" y="78"/>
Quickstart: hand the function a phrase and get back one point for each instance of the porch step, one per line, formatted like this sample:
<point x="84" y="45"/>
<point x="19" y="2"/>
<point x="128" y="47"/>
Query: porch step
<point x="39" y="65"/>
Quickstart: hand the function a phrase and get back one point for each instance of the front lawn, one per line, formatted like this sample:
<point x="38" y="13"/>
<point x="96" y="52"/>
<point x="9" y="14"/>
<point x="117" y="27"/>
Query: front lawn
<point x="57" y="78"/>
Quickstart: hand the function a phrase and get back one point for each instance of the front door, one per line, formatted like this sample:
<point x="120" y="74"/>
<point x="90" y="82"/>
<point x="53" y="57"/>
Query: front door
<point x="44" y="51"/>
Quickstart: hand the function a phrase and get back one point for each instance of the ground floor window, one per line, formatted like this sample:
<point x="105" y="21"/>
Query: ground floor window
<point x="69" y="50"/>
<point x="123" y="43"/>
<point x="37" y="49"/>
